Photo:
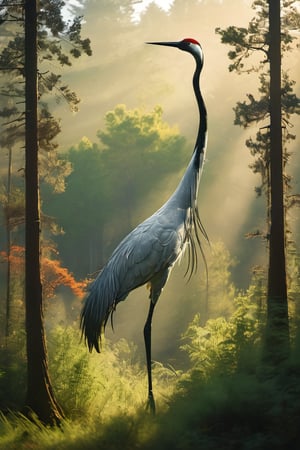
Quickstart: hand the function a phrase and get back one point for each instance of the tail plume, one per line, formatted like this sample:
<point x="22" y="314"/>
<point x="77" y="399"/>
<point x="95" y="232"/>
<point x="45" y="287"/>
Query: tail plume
<point x="99" y="304"/>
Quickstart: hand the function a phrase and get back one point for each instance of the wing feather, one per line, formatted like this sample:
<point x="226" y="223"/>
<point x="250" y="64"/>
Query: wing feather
<point x="145" y="254"/>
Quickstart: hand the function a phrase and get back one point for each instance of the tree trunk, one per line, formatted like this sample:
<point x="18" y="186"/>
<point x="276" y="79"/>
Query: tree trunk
<point x="277" y="332"/>
<point x="40" y="399"/>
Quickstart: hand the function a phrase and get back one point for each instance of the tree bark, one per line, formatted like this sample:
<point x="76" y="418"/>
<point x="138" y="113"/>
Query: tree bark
<point x="277" y="332"/>
<point x="40" y="399"/>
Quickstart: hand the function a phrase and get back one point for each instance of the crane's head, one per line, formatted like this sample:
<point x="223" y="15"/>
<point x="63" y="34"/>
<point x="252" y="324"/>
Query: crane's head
<point x="189" y="45"/>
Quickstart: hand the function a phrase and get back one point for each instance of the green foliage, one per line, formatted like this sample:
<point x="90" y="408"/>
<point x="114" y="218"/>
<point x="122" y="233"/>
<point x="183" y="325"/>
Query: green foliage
<point x="101" y="385"/>
<point x="252" y="41"/>
<point x="258" y="110"/>
<point x="12" y="372"/>
<point x="142" y="143"/>
<point x="210" y="345"/>
<point x="224" y="399"/>
<point x="239" y="411"/>
<point x="249" y="41"/>
<point x="223" y="345"/>
<point x="227" y="399"/>
<point x="55" y="26"/>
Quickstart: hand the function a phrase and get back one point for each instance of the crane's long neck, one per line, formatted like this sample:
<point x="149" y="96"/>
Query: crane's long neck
<point x="201" y="140"/>
<point x="185" y="195"/>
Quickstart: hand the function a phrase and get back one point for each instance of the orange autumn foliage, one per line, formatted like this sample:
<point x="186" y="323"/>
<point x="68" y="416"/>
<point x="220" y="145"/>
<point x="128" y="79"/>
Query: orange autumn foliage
<point x="53" y="274"/>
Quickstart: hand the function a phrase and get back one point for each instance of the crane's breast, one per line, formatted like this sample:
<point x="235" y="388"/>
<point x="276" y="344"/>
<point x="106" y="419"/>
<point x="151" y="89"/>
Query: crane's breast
<point x="151" y="248"/>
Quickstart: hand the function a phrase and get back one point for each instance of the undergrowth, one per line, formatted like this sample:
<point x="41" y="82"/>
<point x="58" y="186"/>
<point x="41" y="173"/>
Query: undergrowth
<point x="226" y="399"/>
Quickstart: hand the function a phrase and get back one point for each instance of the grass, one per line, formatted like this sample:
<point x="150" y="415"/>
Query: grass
<point x="239" y="412"/>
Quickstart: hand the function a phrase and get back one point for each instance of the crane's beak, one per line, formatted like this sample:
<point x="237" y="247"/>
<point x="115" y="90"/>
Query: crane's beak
<point x="168" y="44"/>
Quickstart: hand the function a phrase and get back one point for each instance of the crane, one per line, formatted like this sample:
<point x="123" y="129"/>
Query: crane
<point x="148" y="253"/>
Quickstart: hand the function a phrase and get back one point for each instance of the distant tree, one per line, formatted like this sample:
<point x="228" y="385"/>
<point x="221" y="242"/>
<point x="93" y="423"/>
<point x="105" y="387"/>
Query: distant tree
<point x="110" y="181"/>
<point x="145" y="148"/>
<point x="6" y="201"/>
<point x="276" y="104"/>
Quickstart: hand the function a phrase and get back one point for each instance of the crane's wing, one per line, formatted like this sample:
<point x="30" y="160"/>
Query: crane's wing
<point x="147" y="253"/>
<point x="151" y="248"/>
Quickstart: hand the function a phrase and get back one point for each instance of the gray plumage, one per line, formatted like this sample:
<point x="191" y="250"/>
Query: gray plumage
<point x="148" y="253"/>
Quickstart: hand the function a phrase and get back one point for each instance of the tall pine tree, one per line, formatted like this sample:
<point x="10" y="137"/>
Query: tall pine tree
<point x="40" y="397"/>
<point x="269" y="34"/>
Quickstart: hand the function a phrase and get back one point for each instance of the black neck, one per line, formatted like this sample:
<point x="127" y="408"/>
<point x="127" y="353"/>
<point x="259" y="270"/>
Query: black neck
<point x="202" y="131"/>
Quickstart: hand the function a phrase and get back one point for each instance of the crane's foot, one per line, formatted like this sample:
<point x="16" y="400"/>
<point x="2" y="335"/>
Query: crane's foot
<point x="151" y="403"/>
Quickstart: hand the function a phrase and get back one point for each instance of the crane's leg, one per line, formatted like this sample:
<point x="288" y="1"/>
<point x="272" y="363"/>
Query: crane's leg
<point x="147" y="338"/>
